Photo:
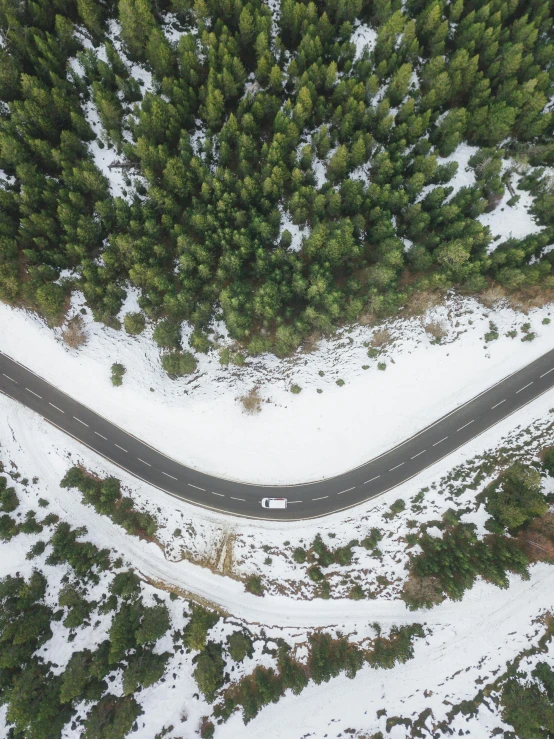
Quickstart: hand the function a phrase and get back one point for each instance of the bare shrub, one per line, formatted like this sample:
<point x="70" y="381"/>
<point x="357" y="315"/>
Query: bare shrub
<point x="492" y="294"/>
<point x="252" y="402"/>
<point x="381" y="337"/>
<point x="420" y="302"/>
<point x="74" y="333"/>
<point x="422" y="591"/>
<point x="537" y="541"/>
<point x="311" y="343"/>
<point x="436" y="330"/>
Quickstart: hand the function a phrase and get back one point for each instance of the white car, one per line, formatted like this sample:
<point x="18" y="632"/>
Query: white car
<point x="274" y="502"/>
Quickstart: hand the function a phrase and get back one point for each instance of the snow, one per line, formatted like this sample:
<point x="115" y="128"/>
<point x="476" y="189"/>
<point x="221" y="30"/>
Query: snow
<point x="475" y="639"/>
<point x="507" y="222"/>
<point x="137" y="71"/>
<point x="363" y="37"/>
<point x="298" y="233"/>
<point x="319" y="434"/>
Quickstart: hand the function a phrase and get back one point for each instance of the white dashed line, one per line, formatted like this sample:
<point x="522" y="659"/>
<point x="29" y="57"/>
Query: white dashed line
<point x="322" y="497"/>
<point x="9" y="378"/>
<point x="220" y="494"/>
<point x="56" y="407"/>
<point x="78" y="419"/>
<point x="346" y="491"/>
<point x="202" y="489"/>
<point x="397" y="466"/>
<point x="467" y="424"/>
<point x="294" y="501"/>
<point x="523" y="388"/>
<point x="120" y="447"/>
<point x="417" y="455"/>
<point x="496" y="406"/>
<point x="143" y="462"/>
<point x="440" y="442"/>
<point x="237" y="499"/>
<point x="168" y="475"/>
<point x="33" y="392"/>
<point x="545" y="373"/>
<point x="100" y="435"/>
<point x="373" y="478"/>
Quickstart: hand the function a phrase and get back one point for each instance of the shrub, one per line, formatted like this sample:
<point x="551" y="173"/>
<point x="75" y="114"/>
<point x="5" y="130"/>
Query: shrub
<point x="208" y="672"/>
<point x="207" y="729"/>
<point x="395" y="508"/>
<point x="134" y="323"/>
<point x="382" y="366"/>
<point x="371" y="541"/>
<point x="8" y="497"/>
<point x="315" y="574"/>
<point x="515" y="497"/>
<point x="167" y="335"/>
<point x="254" y="585"/>
<point x="178" y="364"/>
<point x="299" y="555"/>
<point x="340" y="383"/>
<point x="118" y="370"/>
<point x="356" y="592"/>
<point x="548" y="461"/>
<point x="196" y="631"/>
<point x="295" y="389"/>
<point x="240" y="645"/>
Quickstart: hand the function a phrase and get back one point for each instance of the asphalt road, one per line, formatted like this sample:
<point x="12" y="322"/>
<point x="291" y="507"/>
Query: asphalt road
<point x="304" y="501"/>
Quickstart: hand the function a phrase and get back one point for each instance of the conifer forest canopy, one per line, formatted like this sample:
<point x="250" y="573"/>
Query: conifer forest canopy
<point x="261" y="115"/>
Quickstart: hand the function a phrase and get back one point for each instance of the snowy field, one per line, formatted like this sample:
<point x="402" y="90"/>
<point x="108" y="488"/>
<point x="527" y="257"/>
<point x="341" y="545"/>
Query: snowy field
<point x="200" y="421"/>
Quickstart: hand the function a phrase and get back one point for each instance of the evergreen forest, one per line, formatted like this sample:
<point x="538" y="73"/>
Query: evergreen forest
<point x="278" y="175"/>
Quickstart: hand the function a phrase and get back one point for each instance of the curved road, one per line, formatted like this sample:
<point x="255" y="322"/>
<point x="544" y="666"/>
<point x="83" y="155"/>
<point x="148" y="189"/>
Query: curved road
<point x="306" y="500"/>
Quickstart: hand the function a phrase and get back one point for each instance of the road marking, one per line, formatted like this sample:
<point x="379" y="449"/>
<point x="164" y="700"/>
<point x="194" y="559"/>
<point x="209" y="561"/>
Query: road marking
<point x="78" y="419"/>
<point x="100" y="435"/>
<point x="294" y="501"/>
<point x="373" y="478"/>
<point x="143" y="462"/>
<point x="237" y="499"/>
<point x="467" y="424"/>
<point x="202" y="489"/>
<point x="120" y="447"/>
<point x="523" y="388"/>
<point x="543" y="375"/>
<point x="417" y="455"/>
<point x="168" y="475"/>
<point x="9" y="378"/>
<point x="322" y="497"/>
<point x="32" y="391"/>
<point x="346" y="491"/>
<point x="56" y="407"/>
<point x="440" y="442"/>
<point x="397" y="466"/>
<point x="496" y="406"/>
<point x="220" y="494"/>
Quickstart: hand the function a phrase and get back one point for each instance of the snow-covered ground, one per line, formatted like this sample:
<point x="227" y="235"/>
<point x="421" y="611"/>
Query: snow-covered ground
<point x="199" y="420"/>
